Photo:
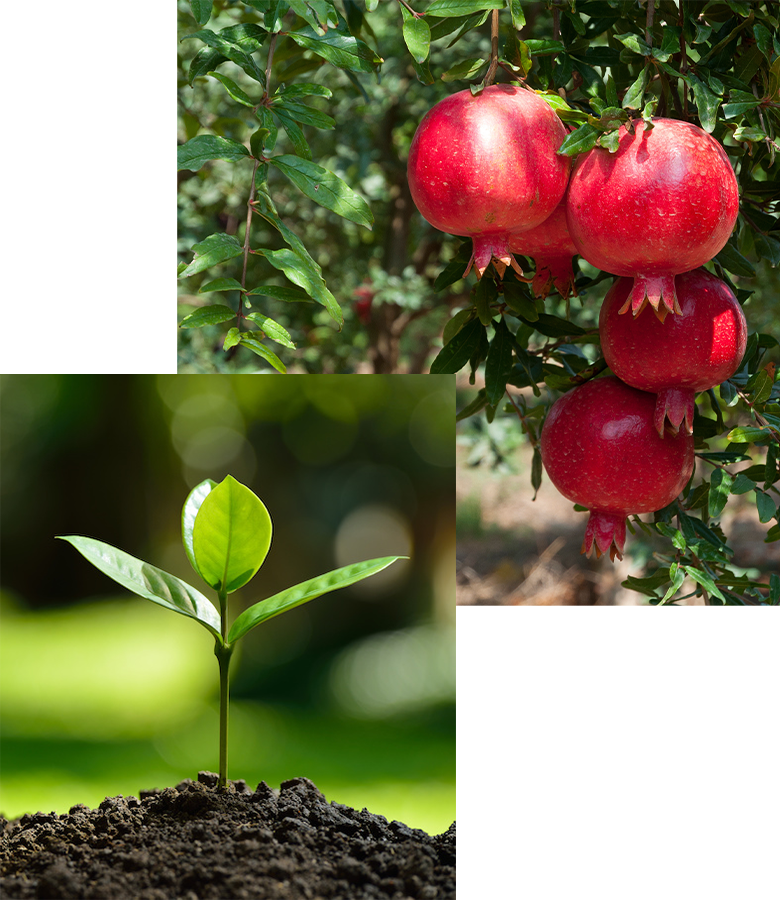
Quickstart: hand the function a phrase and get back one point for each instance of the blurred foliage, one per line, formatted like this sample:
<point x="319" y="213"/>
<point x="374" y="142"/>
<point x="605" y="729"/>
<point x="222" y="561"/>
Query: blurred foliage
<point x="344" y="464"/>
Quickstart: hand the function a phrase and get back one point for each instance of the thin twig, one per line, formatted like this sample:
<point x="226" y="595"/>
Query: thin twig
<point x="268" y="65"/>
<point x="491" y="72"/>
<point x="649" y="25"/>
<point x="246" y="242"/>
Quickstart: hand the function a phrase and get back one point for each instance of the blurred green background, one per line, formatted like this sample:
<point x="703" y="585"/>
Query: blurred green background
<point x="104" y="693"/>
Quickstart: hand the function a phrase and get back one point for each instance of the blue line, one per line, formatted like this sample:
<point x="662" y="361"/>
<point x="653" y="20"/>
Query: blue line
<point x="757" y="614"/>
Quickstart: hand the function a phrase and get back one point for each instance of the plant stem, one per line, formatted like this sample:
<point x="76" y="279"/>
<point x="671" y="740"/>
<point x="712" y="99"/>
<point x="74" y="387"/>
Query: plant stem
<point x="246" y="245"/>
<point x="223" y="651"/>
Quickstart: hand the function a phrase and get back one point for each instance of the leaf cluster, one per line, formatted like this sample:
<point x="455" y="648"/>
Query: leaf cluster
<point x="226" y="532"/>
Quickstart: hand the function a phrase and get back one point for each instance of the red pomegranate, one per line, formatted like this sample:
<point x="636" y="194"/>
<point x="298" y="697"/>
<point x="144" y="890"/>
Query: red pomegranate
<point x="601" y="450"/>
<point x="480" y="166"/>
<point x="552" y="249"/>
<point x="692" y="351"/>
<point x="665" y="202"/>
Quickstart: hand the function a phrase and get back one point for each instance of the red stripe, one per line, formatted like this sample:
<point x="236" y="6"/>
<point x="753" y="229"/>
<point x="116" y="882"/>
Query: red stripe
<point x="556" y="723"/>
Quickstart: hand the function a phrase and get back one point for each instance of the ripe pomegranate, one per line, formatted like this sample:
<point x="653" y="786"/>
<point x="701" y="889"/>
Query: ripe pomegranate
<point x="693" y="351"/>
<point x="600" y="449"/>
<point x="665" y="202"/>
<point x="552" y="249"/>
<point x="481" y="166"/>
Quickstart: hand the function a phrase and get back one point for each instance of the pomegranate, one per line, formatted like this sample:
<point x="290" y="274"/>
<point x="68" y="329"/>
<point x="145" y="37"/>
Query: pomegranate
<point x="693" y="351"/>
<point x="665" y="202"/>
<point x="481" y="166"/>
<point x="601" y="450"/>
<point x="552" y="249"/>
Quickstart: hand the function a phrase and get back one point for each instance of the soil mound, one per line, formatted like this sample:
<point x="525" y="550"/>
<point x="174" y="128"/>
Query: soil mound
<point x="192" y="842"/>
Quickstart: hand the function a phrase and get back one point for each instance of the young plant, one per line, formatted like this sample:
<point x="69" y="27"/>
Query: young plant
<point x="226" y="531"/>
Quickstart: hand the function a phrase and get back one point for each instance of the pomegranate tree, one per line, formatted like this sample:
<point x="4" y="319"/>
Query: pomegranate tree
<point x="483" y="165"/>
<point x="692" y="351"/>
<point x="601" y="450"/>
<point x="552" y="249"/>
<point x="664" y="203"/>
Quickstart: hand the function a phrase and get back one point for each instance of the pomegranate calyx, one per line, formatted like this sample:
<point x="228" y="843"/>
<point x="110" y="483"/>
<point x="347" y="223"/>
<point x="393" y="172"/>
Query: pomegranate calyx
<point x="492" y="249"/>
<point x="658" y="291"/>
<point x="554" y="272"/>
<point x="674" y="410"/>
<point x="605" y="531"/>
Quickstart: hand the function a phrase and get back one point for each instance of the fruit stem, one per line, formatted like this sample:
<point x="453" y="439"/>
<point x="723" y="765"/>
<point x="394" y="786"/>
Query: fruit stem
<point x="491" y="72"/>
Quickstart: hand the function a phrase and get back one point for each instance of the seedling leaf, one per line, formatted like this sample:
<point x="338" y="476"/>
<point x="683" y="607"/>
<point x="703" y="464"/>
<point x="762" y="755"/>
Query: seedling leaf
<point x="148" y="581"/>
<point x="230" y="536"/>
<point x="305" y="591"/>
<point x="188" y="513"/>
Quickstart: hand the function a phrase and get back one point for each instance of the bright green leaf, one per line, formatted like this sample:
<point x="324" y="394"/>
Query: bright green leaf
<point x="207" y="315"/>
<point x="273" y="329"/>
<point x="305" y="591"/>
<point x="199" y="150"/>
<point x="325" y="188"/>
<point x="339" y="48"/>
<point x="705" y="581"/>
<point x="188" y="513"/>
<point x="720" y="486"/>
<point x="201" y="10"/>
<point x="252" y="343"/>
<point x="216" y="248"/>
<point x="417" y="35"/>
<point x="451" y="8"/>
<point x="233" y="89"/>
<point x="221" y="284"/>
<point x="464" y="70"/>
<point x="748" y="434"/>
<point x="231" y="536"/>
<point x="148" y="581"/>
<point x="232" y="339"/>
<point x="305" y="114"/>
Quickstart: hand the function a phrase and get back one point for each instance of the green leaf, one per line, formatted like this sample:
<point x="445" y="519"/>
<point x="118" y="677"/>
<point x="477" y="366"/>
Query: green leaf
<point x="294" y="133"/>
<point x="303" y="270"/>
<point x="297" y="264"/>
<point x="455" y="324"/>
<point x="580" y="140"/>
<point x="288" y="295"/>
<point x="519" y="302"/>
<point x="633" y="96"/>
<point x="338" y="48"/>
<point x="252" y="343"/>
<point x="201" y="10"/>
<point x="518" y="16"/>
<point x="305" y="89"/>
<point x="705" y="581"/>
<point x="417" y="35"/>
<point x="453" y="356"/>
<point x="188" y="513"/>
<point x="678" y="578"/>
<point x="221" y="284"/>
<point x="207" y="315"/>
<point x="706" y="103"/>
<point x="748" y="434"/>
<point x="216" y="248"/>
<point x="148" y="581"/>
<point x="774" y="589"/>
<point x="305" y="114"/>
<point x="464" y="70"/>
<point x="229" y="47"/>
<point x="552" y="326"/>
<point x="446" y="9"/>
<point x="325" y="188"/>
<point x="273" y="329"/>
<point x="232" y="339"/>
<point x="720" y="486"/>
<point x="230" y="536"/>
<point x="545" y="47"/>
<point x="742" y="484"/>
<point x="739" y="103"/>
<point x="305" y="591"/>
<point x="498" y="364"/>
<point x="733" y="261"/>
<point x="233" y="89"/>
<point x="760" y="385"/>
<point x="649" y="585"/>
<point x="765" y="506"/>
<point x="205" y="147"/>
<point x="536" y="472"/>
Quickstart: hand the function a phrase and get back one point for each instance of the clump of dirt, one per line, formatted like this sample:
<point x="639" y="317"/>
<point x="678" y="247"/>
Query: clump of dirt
<point x="196" y="843"/>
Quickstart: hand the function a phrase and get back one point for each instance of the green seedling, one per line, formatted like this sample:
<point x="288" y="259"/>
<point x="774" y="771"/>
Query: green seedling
<point x="226" y="531"/>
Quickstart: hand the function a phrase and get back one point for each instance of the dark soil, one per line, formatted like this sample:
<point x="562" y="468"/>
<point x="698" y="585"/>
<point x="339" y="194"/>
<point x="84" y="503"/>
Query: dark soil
<point x="192" y="842"/>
